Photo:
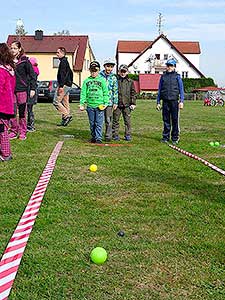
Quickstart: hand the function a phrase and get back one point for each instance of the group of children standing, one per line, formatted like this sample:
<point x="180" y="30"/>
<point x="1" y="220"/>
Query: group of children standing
<point x="106" y="96"/>
<point x="18" y="85"/>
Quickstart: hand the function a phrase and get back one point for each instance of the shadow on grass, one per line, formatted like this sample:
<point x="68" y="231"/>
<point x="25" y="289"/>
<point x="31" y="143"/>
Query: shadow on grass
<point x="204" y="189"/>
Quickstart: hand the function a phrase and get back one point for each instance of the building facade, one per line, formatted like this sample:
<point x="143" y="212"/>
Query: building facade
<point x="149" y="57"/>
<point x="79" y="53"/>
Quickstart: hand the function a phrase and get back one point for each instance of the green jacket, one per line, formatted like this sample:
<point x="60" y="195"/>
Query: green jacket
<point x="94" y="92"/>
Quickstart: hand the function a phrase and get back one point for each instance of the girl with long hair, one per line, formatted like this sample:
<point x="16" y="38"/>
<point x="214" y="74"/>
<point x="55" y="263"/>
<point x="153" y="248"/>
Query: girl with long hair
<point x="25" y="82"/>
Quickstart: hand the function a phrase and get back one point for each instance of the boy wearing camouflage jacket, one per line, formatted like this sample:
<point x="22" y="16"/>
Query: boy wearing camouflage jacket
<point x="111" y="80"/>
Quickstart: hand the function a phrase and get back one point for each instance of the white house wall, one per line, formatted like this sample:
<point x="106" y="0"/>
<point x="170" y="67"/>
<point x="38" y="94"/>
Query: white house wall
<point x="194" y="58"/>
<point x="161" y="47"/>
<point x="126" y="58"/>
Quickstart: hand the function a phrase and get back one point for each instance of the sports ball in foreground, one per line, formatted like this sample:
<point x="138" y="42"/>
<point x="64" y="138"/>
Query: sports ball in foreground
<point x="98" y="255"/>
<point x="211" y="144"/>
<point x="93" y="168"/>
<point x="216" y="144"/>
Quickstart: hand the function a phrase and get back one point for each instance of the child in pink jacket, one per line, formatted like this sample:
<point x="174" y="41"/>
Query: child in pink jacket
<point x="7" y="87"/>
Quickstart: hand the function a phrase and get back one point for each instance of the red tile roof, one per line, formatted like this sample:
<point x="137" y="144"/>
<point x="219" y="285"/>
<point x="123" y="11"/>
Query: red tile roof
<point x="149" y="82"/>
<point x="132" y="46"/>
<point x="208" y="88"/>
<point x="187" y="47"/>
<point x="139" y="46"/>
<point x="50" y="43"/>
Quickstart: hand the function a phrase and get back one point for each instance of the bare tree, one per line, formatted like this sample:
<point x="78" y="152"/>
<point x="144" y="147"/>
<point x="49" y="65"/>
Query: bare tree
<point x="20" y="30"/>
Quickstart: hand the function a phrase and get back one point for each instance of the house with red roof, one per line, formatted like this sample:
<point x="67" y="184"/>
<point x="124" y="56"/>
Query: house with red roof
<point x="149" y="57"/>
<point x="43" y="47"/>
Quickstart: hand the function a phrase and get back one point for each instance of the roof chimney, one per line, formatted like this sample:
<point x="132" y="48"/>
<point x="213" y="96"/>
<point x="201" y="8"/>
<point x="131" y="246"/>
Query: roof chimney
<point x="38" y="35"/>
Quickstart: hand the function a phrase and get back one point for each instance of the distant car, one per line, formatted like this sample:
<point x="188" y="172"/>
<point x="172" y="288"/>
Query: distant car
<point x="46" y="91"/>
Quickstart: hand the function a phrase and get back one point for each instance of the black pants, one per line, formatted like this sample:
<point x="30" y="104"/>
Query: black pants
<point x="170" y="111"/>
<point x="30" y="116"/>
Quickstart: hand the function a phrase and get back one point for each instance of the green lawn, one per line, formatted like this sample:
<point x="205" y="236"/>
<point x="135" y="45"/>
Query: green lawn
<point x="171" y="208"/>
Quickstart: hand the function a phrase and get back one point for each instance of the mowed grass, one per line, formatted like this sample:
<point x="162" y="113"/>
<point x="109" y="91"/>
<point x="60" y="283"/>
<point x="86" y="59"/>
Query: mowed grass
<point x="170" y="207"/>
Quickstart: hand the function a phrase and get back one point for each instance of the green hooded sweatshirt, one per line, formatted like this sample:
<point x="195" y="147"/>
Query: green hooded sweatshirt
<point x="94" y="92"/>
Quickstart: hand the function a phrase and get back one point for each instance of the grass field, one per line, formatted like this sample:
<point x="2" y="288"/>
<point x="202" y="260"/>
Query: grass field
<point x="170" y="207"/>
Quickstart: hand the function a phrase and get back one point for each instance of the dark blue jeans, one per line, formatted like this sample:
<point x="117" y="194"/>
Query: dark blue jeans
<point x="170" y="111"/>
<point x="96" y="117"/>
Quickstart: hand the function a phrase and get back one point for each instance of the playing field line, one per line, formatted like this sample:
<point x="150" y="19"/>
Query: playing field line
<point x="13" y="253"/>
<point x="205" y="162"/>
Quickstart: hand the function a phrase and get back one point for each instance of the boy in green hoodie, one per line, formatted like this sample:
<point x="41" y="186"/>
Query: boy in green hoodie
<point x="94" y="93"/>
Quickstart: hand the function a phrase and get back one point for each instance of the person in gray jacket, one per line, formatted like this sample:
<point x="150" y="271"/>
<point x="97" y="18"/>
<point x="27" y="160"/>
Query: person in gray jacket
<point x="126" y="103"/>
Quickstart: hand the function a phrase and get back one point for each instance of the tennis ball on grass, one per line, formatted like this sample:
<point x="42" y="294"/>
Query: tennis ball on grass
<point x="93" y="168"/>
<point x="216" y="144"/>
<point x="212" y="144"/>
<point x="98" y="255"/>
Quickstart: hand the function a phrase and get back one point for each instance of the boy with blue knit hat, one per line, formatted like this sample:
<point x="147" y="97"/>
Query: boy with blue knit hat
<point x="171" y="91"/>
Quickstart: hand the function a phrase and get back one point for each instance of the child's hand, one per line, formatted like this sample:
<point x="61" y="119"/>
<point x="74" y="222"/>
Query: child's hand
<point x="81" y="107"/>
<point x="181" y="105"/>
<point x="158" y="106"/>
<point x="32" y="93"/>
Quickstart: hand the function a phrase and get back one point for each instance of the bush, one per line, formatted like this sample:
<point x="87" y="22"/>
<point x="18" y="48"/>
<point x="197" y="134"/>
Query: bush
<point x="134" y="76"/>
<point x="195" y="83"/>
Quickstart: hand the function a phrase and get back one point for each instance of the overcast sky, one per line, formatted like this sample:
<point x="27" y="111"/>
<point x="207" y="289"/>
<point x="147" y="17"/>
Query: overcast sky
<point x="108" y="21"/>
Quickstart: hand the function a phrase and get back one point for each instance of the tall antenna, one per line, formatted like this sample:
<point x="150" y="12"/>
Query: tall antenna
<point x="160" y="23"/>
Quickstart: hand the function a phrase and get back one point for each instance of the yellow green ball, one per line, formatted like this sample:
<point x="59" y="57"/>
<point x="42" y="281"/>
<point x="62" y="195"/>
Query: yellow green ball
<point x="98" y="255"/>
<point x="93" y="168"/>
<point x="101" y="107"/>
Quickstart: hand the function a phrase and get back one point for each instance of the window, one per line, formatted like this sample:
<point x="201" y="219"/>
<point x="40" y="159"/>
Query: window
<point x="147" y="72"/>
<point x="55" y="62"/>
<point x="165" y="56"/>
<point x="185" y="74"/>
<point x="136" y="72"/>
<point x="157" y="56"/>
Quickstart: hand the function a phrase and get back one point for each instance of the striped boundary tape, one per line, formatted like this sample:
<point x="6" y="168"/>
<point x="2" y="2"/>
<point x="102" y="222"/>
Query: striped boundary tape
<point x="205" y="162"/>
<point x="12" y="256"/>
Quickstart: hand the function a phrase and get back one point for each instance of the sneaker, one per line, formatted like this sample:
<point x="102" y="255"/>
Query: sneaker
<point x="2" y="159"/>
<point x="116" y="138"/>
<point x="175" y="142"/>
<point x="62" y="122"/>
<point x="67" y="120"/>
<point x="98" y="142"/>
<point x="31" y="129"/>
<point x="22" y="137"/>
<point x="12" y="136"/>
<point x="163" y="140"/>
<point x="127" y="138"/>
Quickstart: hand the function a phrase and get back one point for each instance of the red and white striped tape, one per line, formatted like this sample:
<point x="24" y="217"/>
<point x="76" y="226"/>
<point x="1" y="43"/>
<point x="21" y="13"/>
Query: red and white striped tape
<point x="205" y="162"/>
<point x="12" y="256"/>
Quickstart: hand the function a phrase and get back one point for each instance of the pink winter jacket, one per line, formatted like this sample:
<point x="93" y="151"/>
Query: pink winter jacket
<point x="7" y="88"/>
